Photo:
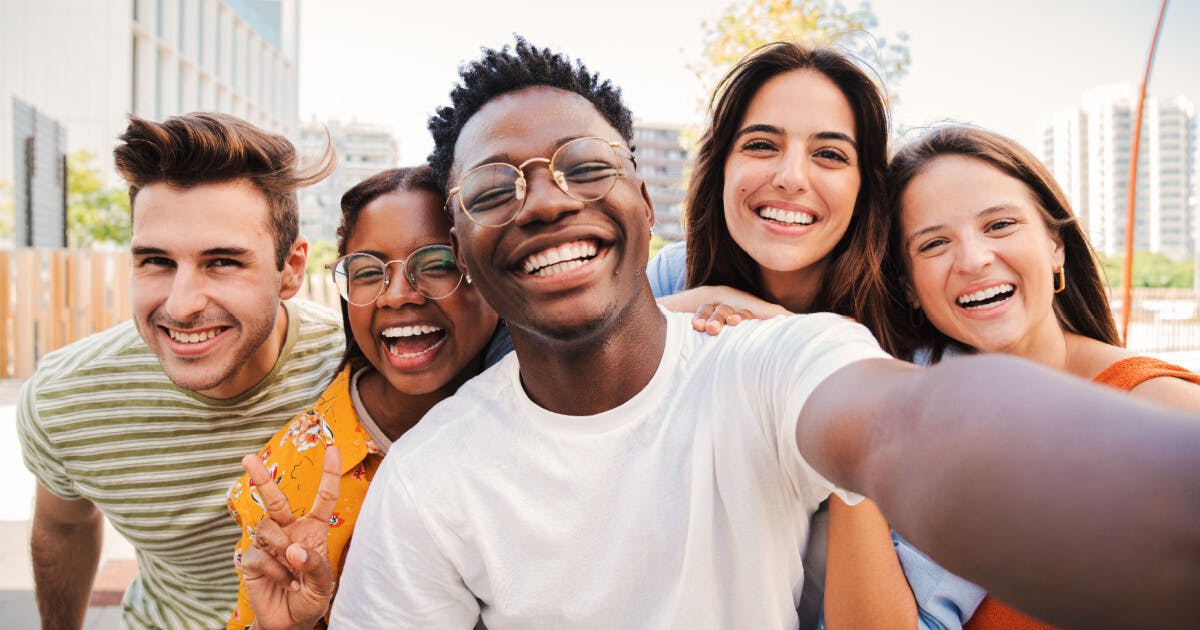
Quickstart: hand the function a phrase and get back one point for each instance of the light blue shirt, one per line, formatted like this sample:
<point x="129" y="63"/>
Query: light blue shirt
<point x="944" y="600"/>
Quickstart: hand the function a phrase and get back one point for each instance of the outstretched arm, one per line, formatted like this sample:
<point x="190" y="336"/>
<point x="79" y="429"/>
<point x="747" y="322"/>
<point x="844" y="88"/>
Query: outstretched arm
<point x="1041" y="487"/>
<point x="65" y="545"/>
<point x="864" y="584"/>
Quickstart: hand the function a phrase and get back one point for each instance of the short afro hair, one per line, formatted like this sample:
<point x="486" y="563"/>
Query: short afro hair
<point x="506" y="70"/>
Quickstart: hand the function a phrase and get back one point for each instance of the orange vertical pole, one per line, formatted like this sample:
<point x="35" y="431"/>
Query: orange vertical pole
<point x="1127" y="264"/>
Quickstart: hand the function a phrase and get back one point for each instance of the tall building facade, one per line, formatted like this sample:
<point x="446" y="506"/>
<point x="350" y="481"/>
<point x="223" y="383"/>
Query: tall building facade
<point x="1088" y="149"/>
<point x="88" y="64"/>
<point x="363" y="149"/>
<point x="662" y="160"/>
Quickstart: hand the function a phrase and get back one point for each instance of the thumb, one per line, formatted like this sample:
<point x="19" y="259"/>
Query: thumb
<point x="316" y="576"/>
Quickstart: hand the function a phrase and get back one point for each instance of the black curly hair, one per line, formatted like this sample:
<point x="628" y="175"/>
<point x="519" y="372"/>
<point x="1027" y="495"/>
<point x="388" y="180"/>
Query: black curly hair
<point x="499" y="72"/>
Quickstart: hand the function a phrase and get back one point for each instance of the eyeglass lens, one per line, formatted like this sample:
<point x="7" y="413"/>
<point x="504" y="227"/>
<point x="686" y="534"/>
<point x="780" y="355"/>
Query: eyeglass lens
<point x="362" y="278"/>
<point x="585" y="169"/>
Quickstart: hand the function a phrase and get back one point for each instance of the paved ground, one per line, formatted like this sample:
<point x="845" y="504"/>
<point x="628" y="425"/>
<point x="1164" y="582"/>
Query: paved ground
<point x="18" y="610"/>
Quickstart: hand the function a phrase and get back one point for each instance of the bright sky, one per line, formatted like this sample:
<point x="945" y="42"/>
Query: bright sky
<point x="1000" y="64"/>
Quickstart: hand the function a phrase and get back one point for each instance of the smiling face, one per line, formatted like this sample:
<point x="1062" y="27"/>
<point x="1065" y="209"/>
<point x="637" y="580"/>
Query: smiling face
<point x="206" y="292"/>
<point x="419" y="345"/>
<point x="563" y="268"/>
<point x="981" y="259"/>
<point x="791" y="178"/>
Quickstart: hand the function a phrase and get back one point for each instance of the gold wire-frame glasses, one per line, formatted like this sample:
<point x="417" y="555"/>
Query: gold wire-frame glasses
<point x="361" y="278"/>
<point x="585" y="169"/>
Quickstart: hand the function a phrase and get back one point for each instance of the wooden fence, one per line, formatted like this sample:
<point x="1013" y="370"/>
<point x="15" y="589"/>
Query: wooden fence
<point x="52" y="297"/>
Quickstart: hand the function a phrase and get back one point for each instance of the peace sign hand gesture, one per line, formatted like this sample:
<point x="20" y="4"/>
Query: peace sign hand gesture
<point x="288" y="579"/>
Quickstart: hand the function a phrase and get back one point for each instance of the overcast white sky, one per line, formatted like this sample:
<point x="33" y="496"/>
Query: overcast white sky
<point x="1000" y="64"/>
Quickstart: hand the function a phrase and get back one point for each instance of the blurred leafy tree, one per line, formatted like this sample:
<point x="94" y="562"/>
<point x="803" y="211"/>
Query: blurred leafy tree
<point x="6" y="210"/>
<point x="656" y="243"/>
<point x="748" y="24"/>
<point x="96" y="213"/>
<point x="1150" y="270"/>
<point x="320" y="253"/>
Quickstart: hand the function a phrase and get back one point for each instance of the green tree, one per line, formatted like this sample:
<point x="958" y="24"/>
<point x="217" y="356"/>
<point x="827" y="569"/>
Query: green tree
<point x="320" y="253"/>
<point x="748" y="24"/>
<point x="1150" y="270"/>
<point x="96" y="213"/>
<point x="6" y="210"/>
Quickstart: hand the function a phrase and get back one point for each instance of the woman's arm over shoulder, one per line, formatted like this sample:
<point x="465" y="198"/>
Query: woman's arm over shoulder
<point x="667" y="271"/>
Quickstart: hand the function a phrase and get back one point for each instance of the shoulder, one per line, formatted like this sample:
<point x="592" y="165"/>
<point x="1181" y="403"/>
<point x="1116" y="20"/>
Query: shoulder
<point x="667" y="271"/>
<point x="793" y="332"/>
<point x="317" y="322"/>
<point x="115" y="358"/>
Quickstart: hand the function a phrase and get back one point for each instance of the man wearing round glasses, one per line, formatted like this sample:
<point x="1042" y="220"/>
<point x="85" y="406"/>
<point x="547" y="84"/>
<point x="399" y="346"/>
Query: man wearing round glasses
<point x="624" y="471"/>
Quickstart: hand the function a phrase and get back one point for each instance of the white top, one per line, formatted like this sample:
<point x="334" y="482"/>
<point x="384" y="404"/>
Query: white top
<point x="685" y="507"/>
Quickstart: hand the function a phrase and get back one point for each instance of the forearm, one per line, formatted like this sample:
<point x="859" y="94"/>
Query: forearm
<point x="864" y="584"/>
<point x="1042" y="488"/>
<point x="65" y="557"/>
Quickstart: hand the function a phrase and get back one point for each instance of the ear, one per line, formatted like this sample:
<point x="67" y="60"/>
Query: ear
<point x="1059" y="253"/>
<point x="649" y="204"/>
<point x="294" y="268"/>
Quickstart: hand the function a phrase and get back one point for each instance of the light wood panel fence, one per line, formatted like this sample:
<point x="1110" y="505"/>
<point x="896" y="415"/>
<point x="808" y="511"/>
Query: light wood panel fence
<point x="52" y="297"/>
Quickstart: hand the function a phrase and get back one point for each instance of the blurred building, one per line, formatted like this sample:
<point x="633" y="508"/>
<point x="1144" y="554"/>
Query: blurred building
<point x="1088" y="148"/>
<point x="89" y="63"/>
<point x="363" y="149"/>
<point x="662" y="160"/>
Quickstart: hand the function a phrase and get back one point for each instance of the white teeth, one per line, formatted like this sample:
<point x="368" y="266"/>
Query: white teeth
<point x="786" y="216"/>
<point x="560" y="258"/>
<point x="410" y="331"/>
<point x="983" y="294"/>
<point x="183" y="337"/>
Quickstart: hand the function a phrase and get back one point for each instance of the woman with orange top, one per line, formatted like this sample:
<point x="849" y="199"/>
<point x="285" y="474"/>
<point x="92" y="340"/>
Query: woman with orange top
<point x="995" y="261"/>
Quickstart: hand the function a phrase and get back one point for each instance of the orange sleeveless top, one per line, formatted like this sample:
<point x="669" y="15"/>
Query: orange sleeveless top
<point x="1125" y="374"/>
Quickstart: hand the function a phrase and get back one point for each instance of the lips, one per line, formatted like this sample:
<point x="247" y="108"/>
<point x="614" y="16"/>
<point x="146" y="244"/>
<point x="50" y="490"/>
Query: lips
<point x="560" y="258"/>
<point x="986" y="297"/>
<point x="412" y="341"/>
<point x="785" y="216"/>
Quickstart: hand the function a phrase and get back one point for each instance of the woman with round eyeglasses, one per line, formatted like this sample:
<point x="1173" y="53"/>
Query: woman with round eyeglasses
<point x="416" y="329"/>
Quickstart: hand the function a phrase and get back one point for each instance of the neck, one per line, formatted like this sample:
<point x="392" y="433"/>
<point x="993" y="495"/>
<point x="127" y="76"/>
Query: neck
<point x="1047" y="344"/>
<point x="794" y="290"/>
<point x="395" y="411"/>
<point x="596" y="372"/>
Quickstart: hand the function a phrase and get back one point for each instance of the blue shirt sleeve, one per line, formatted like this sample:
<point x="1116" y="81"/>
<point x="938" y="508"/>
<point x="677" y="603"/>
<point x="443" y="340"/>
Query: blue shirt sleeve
<point x="667" y="272"/>
<point x="944" y="600"/>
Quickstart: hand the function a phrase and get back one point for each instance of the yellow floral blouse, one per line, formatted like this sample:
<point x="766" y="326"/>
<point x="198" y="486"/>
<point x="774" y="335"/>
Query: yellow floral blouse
<point x="294" y="457"/>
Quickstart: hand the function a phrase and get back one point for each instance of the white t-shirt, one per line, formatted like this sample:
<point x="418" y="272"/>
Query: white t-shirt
<point x="685" y="507"/>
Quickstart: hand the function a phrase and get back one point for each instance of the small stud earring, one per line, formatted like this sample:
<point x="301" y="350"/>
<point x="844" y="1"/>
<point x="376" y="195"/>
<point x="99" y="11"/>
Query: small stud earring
<point x="468" y="278"/>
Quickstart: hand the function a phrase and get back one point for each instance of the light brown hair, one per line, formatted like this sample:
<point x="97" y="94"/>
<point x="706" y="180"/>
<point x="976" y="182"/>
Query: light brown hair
<point x="202" y="148"/>
<point x="1081" y="308"/>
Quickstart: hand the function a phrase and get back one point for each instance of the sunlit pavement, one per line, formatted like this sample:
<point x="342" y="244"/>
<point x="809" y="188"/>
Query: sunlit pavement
<point x="17" y="606"/>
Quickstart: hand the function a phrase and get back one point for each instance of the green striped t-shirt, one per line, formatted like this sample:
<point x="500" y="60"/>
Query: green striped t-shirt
<point x="100" y="420"/>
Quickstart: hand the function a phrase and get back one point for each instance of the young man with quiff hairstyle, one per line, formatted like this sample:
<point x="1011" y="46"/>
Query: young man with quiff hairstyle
<point x="147" y="422"/>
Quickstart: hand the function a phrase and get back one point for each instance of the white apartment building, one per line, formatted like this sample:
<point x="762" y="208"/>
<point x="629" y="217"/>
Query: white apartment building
<point x="1088" y="149"/>
<point x="363" y="149"/>
<point x="662" y="159"/>
<point x="90" y="63"/>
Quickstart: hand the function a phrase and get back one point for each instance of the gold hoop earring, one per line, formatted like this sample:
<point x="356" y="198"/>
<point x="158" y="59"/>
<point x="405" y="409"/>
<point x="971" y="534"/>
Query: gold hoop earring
<point x="1060" y="280"/>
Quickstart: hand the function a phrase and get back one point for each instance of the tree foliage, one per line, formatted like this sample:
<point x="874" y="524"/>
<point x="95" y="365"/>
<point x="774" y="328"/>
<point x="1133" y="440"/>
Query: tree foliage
<point x="96" y="213"/>
<point x="1150" y="270"/>
<point x="320" y="253"/>
<point x="748" y="24"/>
<point x="6" y="210"/>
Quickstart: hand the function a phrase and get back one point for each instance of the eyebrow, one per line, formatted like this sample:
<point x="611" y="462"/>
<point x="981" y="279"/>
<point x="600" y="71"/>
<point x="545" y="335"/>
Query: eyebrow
<point x="148" y="251"/>
<point x="1000" y="207"/>
<point x="820" y="135"/>
<point x="232" y="252"/>
<point x="508" y="159"/>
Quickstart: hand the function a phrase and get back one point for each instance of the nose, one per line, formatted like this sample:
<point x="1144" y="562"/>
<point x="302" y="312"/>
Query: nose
<point x="791" y="173"/>
<point x="399" y="290"/>
<point x="188" y="295"/>
<point x="973" y="255"/>
<point x="545" y="202"/>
